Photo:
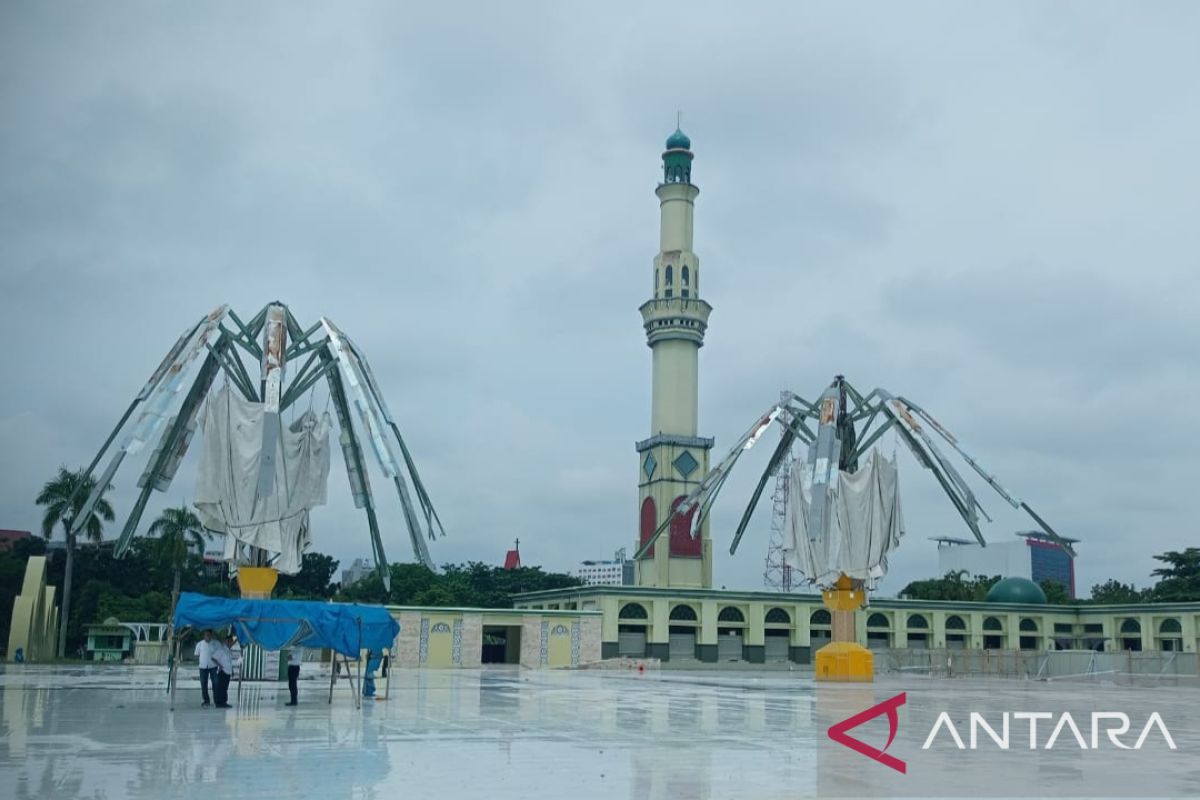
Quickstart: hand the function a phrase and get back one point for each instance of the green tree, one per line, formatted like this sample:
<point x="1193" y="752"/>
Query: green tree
<point x="952" y="586"/>
<point x="1056" y="593"/>
<point x="1180" y="579"/>
<point x="472" y="585"/>
<point x="64" y="497"/>
<point x="314" y="581"/>
<point x="1113" y="591"/>
<point x="176" y="530"/>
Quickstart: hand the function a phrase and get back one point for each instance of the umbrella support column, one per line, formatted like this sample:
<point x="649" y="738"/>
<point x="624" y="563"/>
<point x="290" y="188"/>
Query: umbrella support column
<point x="844" y="660"/>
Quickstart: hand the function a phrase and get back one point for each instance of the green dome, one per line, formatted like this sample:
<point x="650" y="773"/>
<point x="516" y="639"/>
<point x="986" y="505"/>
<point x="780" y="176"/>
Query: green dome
<point x="679" y="141"/>
<point x="1016" y="590"/>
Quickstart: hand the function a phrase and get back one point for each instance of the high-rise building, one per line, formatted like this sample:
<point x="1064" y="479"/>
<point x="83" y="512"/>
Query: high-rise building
<point x="1035" y="556"/>
<point x="361" y="568"/>
<point x="617" y="572"/>
<point x="674" y="459"/>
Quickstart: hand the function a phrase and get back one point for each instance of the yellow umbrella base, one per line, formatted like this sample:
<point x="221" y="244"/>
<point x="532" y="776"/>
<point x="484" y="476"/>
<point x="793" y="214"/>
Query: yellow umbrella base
<point x="845" y="662"/>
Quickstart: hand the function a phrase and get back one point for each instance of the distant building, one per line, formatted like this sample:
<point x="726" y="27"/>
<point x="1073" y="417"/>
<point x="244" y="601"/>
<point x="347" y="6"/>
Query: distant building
<point x="1034" y="556"/>
<point x="617" y="572"/>
<point x="214" y="556"/>
<point x="512" y="559"/>
<point x="109" y="641"/>
<point x="360" y="569"/>
<point x="10" y="537"/>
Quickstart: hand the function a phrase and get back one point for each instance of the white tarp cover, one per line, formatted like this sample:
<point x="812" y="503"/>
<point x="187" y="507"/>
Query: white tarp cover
<point x="226" y="498"/>
<point x="864" y="524"/>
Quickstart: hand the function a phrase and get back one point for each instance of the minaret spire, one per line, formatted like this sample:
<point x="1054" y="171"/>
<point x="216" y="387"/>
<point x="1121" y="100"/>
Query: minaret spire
<point x="675" y="319"/>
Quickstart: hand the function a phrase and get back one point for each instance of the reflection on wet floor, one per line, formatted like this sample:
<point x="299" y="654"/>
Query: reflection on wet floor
<point x="107" y="732"/>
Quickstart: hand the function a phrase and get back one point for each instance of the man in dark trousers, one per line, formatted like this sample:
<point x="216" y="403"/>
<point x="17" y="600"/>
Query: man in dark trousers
<point x="223" y="656"/>
<point x="208" y="667"/>
<point x="295" y="656"/>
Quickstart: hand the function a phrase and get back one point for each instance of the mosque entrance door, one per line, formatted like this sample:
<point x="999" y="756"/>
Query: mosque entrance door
<point x="501" y="644"/>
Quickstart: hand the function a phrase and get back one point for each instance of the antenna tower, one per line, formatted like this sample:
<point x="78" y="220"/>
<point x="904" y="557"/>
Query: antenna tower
<point x="777" y="574"/>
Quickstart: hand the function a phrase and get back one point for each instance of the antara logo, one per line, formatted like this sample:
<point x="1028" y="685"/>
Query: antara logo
<point x="1113" y="724"/>
<point x="838" y="732"/>
<point x="1116" y="724"/>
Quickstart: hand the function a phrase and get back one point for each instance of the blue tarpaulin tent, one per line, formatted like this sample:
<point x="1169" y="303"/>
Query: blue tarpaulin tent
<point x="347" y="628"/>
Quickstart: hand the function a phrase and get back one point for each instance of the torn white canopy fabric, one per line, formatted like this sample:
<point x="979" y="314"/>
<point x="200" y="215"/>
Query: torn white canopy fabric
<point x="863" y="525"/>
<point x="227" y="491"/>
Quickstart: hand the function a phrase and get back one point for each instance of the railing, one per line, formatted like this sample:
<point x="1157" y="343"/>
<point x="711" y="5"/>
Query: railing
<point x="1121" y="667"/>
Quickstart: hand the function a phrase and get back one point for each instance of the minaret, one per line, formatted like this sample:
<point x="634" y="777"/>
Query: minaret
<point x="674" y="458"/>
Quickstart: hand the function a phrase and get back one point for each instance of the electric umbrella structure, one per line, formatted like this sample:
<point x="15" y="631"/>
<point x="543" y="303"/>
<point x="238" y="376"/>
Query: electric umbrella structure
<point x="272" y="479"/>
<point x="847" y="425"/>
<point x="842" y="519"/>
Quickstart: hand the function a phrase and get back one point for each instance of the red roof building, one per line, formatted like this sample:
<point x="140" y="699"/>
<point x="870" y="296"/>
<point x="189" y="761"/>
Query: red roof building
<point x="512" y="559"/>
<point x="9" y="537"/>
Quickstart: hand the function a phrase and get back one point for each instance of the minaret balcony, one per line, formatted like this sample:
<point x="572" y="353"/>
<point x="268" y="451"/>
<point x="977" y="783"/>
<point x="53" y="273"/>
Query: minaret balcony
<point x="675" y="318"/>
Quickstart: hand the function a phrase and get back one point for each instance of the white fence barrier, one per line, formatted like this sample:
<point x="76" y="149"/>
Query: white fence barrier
<point x="1126" y="666"/>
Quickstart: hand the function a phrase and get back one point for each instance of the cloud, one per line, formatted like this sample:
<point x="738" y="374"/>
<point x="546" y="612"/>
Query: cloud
<point x="988" y="210"/>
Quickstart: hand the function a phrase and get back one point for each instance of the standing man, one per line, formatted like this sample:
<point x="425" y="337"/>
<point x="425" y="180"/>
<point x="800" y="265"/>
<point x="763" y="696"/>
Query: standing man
<point x="208" y="667"/>
<point x="223" y="655"/>
<point x="295" y="656"/>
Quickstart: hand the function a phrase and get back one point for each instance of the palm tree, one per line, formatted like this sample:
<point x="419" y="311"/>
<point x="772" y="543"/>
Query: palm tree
<point x="176" y="530"/>
<point x="64" y="497"/>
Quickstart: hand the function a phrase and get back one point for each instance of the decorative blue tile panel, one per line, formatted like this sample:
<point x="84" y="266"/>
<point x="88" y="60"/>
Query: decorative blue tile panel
<point x="423" y="649"/>
<point x="544" y="650"/>
<point x="685" y="463"/>
<point x="456" y="643"/>
<point x="649" y="465"/>
<point x="576" y="641"/>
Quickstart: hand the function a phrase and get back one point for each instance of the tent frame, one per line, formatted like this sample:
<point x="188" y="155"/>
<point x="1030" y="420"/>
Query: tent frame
<point x="354" y="676"/>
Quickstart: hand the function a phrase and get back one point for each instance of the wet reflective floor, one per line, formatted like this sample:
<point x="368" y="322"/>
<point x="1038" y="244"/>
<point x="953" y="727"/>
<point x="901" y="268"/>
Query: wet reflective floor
<point x="107" y="732"/>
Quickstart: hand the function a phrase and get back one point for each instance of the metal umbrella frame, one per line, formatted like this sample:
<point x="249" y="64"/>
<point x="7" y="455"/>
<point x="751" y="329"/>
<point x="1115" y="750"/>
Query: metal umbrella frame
<point x="848" y="423"/>
<point x="274" y="338"/>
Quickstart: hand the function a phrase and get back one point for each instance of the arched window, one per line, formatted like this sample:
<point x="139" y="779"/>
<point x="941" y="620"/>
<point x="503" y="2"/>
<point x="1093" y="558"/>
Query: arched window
<point x="992" y="624"/>
<point x="632" y="611"/>
<point x="778" y="616"/>
<point x="685" y="613"/>
<point x="656" y="282"/>
<point x="1131" y="625"/>
<point x="955" y="623"/>
<point x="670" y="280"/>
<point x="1028" y="624"/>
<point x="821" y="617"/>
<point x="649" y="522"/>
<point x="1170" y="626"/>
<point x="730" y="614"/>
<point x="917" y="621"/>
<point x="877" y="620"/>
<point x="685" y="276"/>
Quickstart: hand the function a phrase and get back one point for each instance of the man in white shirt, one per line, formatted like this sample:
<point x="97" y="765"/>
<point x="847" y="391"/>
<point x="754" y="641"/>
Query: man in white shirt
<point x="295" y="656"/>
<point x="208" y="667"/>
<point x="223" y="655"/>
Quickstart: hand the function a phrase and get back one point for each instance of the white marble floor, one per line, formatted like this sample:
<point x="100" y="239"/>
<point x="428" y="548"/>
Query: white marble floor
<point x="106" y="732"/>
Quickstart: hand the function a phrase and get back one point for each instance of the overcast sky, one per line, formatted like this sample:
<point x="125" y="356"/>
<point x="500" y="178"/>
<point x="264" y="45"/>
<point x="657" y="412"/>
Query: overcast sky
<point x="990" y="208"/>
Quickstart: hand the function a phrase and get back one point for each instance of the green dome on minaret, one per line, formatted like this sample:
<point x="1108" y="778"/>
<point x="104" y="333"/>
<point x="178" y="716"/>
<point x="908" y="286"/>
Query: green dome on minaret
<point x="679" y="141"/>
<point x="677" y="160"/>
<point x="1016" y="590"/>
